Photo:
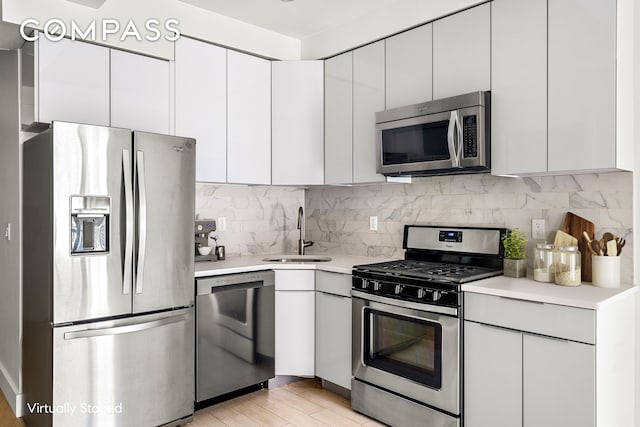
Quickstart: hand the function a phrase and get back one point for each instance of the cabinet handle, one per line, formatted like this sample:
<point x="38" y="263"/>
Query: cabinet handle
<point x="522" y="300"/>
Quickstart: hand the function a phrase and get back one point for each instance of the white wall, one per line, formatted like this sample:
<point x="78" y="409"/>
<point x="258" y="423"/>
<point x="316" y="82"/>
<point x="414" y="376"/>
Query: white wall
<point x="195" y="22"/>
<point x="379" y="23"/>
<point x="10" y="259"/>
<point x="636" y="192"/>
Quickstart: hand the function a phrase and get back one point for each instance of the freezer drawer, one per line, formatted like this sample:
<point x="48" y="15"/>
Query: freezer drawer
<point x="132" y="372"/>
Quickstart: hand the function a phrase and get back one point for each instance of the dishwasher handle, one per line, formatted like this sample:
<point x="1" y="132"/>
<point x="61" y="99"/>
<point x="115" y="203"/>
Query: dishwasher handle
<point x="216" y="284"/>
<point x="236" y="287"/>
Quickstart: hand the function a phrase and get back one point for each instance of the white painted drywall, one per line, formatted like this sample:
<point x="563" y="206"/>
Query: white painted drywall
<point x="194" y="21"/>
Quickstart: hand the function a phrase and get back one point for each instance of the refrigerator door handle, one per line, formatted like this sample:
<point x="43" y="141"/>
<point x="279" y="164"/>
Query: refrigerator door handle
<point x="128" y="242"/>
<point x="142" y="221"/>
<point x="118" y="330"/>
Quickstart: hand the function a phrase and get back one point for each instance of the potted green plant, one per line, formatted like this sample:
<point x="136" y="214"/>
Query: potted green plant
<point x="515" y="264"/>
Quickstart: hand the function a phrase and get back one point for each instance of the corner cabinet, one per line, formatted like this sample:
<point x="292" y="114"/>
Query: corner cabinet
<point x="297" y="139"/>
<point x="562" y="97"/>
<point x="535" y="364"/>
<point x="462" y="52"/>
<point x="333" y="328"/>
<point x="201" y="104"/>
<point x="140" y="92"/>
<point x="67" y="81"/>
<point x="368" y="98"/>
<point x="338" y="119"/>
<point x="248" y="119"/>
<point x="295" y="322"/>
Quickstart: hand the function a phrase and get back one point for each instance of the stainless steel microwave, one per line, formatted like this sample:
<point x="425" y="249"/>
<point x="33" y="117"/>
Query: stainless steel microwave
<point x="445" y="136"/>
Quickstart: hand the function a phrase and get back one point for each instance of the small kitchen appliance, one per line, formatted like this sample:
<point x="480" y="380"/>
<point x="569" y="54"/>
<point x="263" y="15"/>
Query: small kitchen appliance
<point x="407" y="324"/>
<point x="204" y="227"/>
<point x="444" y="136"/>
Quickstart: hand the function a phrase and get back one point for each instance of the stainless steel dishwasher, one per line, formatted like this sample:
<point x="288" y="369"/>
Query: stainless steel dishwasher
<point x="235" y="330"/>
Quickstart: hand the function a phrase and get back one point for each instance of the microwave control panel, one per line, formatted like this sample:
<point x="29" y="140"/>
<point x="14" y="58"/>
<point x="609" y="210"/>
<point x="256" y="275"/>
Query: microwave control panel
<point x="470" y="136"/>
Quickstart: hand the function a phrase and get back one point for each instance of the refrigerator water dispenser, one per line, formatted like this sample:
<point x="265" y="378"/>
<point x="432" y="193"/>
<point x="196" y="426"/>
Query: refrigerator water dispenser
<point x="90" y="224"/>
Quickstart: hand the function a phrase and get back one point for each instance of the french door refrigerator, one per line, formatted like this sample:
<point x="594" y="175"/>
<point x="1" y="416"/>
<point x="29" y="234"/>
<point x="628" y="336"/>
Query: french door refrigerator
<point x="108" y="332"/>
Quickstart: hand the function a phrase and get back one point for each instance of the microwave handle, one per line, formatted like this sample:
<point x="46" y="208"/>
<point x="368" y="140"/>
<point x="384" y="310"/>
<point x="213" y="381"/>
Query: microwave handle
<point x="454" y="139"/>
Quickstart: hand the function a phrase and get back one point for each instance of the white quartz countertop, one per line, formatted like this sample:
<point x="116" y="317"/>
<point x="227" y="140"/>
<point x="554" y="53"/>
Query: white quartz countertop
<point x="242" y="264"/>
<point x="584" y="296"/>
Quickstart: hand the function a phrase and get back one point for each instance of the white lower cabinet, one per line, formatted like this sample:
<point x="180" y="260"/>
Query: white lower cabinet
<point x="295" y="322"/>
<point x="333" y="328"/>
<point x="534" y="364"/>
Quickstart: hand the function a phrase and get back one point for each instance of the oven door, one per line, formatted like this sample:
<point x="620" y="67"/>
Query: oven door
<point x="407" y="350"/>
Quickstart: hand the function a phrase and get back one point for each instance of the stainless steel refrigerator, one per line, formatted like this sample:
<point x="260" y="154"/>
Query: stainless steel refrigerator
<point x="108" y="333"/>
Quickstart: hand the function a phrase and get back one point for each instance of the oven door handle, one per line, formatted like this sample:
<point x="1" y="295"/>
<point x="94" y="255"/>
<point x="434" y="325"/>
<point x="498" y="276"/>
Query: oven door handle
<point x="405" y="304"/>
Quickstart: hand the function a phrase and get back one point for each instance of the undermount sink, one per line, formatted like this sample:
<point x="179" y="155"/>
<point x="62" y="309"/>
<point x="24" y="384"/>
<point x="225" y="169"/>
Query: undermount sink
<point x="297" y="258"/>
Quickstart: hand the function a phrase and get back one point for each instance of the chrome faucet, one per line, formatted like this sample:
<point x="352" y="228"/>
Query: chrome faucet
<point x="301" y="243"/>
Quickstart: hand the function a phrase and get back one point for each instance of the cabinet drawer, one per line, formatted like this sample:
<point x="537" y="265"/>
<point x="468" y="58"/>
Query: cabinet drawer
<point x="577" y="324"/>
<point x="333" y="283"/>
<point x="295" y="280"/>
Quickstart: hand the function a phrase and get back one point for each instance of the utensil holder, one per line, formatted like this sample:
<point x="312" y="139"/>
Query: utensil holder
<point x="605" y="271"/>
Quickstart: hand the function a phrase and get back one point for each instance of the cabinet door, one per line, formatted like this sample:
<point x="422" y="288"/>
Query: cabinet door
<point x="492" y="376"/>
<point x="409" y="66"/>
<point x="333" y="338"/>
<point x="140" y="92"/>
<point x="462" y="52"/>
<point x="297" y="123"/>
<point x="248" y="119"/>
<point x="368" y="98"/>
<point x="338" y="119"/>
<point x="582" y="92"/>
<point x="72" y="82"/>
<point x="201" y="105"/>
<point x="559" y="382"/>
<point x="518" y="86"/>
<point x="295" y="344"/>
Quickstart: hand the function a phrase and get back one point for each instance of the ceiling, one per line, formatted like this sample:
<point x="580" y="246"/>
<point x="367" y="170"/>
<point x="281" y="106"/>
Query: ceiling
<point x="294" y="18"/>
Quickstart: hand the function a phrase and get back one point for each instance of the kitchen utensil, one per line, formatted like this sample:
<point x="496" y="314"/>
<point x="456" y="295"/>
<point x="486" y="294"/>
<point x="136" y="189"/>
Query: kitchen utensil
<point x="612" y="248"/>
<point x="620" y="242"/>
<point x="588" y="240"/>
<point x="596" y="249"/>
<point x="607" y="236"/>
<point x="575" y="226"/>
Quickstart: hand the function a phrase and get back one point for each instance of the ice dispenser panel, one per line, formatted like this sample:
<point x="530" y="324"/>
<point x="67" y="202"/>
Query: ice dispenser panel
<point x="90" y="224"/>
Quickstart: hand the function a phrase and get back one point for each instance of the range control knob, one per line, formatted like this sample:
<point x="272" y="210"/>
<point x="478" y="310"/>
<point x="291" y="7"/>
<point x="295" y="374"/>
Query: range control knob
<point x="398" y="289"/>
<point x="436" y="295"/>
<point x="364" y="283"/>
<point x="376" y="286"/>
<point x="422" y="293"/>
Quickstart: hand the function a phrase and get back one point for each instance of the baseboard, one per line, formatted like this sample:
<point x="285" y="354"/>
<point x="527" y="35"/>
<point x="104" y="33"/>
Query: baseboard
<point x="10" y="391"/>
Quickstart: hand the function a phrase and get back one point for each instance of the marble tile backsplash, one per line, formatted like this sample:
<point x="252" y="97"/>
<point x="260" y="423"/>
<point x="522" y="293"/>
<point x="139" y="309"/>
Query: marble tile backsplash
<point x="338" y="217"/>
<point x="260" y="219"/>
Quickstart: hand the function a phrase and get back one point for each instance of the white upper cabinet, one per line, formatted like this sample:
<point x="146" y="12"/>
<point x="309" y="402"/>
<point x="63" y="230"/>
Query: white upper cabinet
<point x="409" y="67"/>
<point x="462" y="52"/>
<point x="248" y="119"/>
<point x="368" y="98"/>
<point x="582" y="85"/>
<point x="518" y="87"/>
<point x="71" y="82"/>
<point x="297" y="123"/>
<point x="338" y="119"/>
<point x="140" y="92"/>
<point x="201" y="104"/>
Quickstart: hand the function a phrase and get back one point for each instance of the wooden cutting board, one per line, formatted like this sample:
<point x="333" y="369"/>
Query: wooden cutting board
<point x="575" y="225"/>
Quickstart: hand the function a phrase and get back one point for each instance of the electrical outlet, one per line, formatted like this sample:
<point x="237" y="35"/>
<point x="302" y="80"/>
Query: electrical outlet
<point x="222" y="223"/>
<point x="373" y="223"/>
<point x="537" y="228"/>
<point x="7" y="232"/>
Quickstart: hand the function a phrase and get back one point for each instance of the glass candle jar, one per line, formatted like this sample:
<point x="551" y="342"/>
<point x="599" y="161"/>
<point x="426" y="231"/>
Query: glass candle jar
<point x="566" y="263"/>
<point x="543" y="270"/>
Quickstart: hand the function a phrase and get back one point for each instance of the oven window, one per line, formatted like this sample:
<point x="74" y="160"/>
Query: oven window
<point x="418" y="143"/>
<point x="404" y="346"/>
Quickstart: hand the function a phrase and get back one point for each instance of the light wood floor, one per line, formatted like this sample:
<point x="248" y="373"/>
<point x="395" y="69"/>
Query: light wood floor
<point x="304" y="403"/>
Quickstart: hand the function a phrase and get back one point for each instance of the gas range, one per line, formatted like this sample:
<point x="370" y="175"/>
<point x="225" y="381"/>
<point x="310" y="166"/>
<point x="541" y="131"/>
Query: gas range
<point x="438" y="260"/>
